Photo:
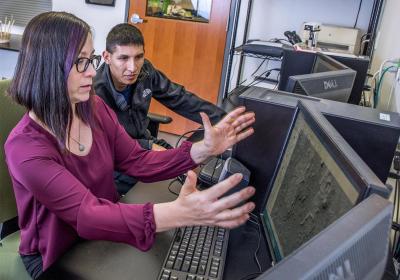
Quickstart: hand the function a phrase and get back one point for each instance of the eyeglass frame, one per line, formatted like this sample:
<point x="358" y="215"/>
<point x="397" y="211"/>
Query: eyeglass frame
<point x="88" y="61"/>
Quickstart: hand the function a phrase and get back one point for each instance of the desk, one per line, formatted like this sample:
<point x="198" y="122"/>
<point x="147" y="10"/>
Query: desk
<point x="98" y="260"/>
<point x="14" y="44"/>
<point x="107" y="260"/>
<point x="9" y="56"/>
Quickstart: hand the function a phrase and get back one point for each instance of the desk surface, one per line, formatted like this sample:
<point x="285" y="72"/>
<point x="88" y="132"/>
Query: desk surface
<point x="109" y="260"/>
<point x="14" y="44"/>
<point x="99" y="260"/>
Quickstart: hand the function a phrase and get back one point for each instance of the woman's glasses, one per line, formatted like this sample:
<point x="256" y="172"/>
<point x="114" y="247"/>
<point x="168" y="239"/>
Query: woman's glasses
<point x="82" y="63"/>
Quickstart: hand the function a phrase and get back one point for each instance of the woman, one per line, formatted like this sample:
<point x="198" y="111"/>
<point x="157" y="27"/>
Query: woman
<point x="62" y="154"/>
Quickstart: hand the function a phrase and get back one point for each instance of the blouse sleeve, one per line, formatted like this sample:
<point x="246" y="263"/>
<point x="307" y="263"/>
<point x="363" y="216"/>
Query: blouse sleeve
<point x="146" y="165"/>
<point x="34" y="167"/>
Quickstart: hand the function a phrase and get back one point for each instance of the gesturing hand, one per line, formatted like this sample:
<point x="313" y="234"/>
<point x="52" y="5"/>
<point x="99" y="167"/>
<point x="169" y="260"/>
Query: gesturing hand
<point x="234" y="127"/>
<point x="208" y="207"/>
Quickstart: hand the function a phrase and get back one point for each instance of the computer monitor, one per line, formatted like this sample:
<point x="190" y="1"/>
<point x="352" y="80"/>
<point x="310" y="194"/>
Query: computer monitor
<point x="317" y="180"/>
<point x="324" y="63"/>
<point x="329" y="79"/>
<point x="360" y="64"/>
<point x="361" y="127"/>
<point x="263" y="154"/>
<point x="353" y="247"/>
<point x="300" y="62"/>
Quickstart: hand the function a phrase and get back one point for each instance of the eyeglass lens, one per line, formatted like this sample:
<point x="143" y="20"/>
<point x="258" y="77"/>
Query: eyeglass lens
<point x="82" y="63"/>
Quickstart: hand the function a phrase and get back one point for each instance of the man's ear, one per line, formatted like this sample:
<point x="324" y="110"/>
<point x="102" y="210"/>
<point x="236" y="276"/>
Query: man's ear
<point x="107" y="57"/>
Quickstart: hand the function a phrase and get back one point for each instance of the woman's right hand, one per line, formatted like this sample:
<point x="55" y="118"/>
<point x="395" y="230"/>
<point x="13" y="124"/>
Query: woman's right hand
<point x="208" y="207"/>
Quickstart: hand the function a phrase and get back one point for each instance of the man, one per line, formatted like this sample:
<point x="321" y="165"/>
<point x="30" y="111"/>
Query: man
<point x="127" y="82"/>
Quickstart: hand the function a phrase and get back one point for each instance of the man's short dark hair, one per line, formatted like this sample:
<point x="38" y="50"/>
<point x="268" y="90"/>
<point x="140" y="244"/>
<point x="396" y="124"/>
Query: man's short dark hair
<point x="123" y="34"/>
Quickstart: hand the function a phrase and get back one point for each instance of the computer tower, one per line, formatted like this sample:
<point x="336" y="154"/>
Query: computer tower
<point x="371" y="133"/>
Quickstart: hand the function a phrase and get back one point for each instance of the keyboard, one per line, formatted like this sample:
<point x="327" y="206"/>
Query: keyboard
<point x="196" y="253"/>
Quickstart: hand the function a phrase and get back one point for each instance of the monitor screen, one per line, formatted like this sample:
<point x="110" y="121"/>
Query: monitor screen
<point x="310" y="191"/>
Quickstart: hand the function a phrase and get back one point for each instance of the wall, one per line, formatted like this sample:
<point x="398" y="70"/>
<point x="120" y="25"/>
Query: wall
<point x="9" y="58"/>
<point x="271" y="18"/>
<point x="388" y="46"/>
<point x="8" y="61"/>
<point x="277" y="16"/>
<point x="100" y="18"/>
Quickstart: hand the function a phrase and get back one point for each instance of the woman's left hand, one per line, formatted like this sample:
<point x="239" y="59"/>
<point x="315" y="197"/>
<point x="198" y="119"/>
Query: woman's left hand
<point x="234" y="127"/>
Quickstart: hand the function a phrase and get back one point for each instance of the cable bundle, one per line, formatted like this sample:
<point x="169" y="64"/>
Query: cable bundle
<point x="387" y="66"/>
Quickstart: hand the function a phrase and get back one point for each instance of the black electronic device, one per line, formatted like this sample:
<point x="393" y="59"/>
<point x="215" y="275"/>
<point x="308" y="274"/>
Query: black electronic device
<point x="266" y="48"/>
<point x="300" y="62"/>
<point x="335" y="253"/>
<point x="230" y="167"/>
<point x="199" y="252"/>
<point x="318" y="178"/>
<point x="329" y="79"/>
<point x="292" y="37"/>
<point x="373" y="134"/>
<point x="360" y="64"/>
<point x="210" y="172"/>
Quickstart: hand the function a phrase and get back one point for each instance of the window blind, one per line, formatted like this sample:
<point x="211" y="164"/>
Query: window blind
<point x="23" y="10"/>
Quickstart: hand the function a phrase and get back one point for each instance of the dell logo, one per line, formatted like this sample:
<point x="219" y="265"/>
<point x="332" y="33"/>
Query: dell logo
<point x="330" y="84"/>
<point x="343" y="274"/>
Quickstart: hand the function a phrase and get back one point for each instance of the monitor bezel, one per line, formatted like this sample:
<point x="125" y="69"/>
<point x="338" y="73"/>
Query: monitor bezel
<point x="354" y="168"/>
<point x="336" y="239"/>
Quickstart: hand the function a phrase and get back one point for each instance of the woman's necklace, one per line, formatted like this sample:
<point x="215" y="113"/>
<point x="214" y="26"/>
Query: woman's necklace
<point x="81" y="146"/>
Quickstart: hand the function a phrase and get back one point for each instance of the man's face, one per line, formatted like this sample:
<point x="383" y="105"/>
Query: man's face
<point x="125" y="64"/>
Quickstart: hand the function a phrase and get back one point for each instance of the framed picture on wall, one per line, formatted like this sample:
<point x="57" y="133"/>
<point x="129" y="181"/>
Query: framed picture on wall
<point x="101" y="2"/>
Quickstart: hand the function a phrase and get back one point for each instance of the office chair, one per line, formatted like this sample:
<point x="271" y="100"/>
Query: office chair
<point x="11" y="266"/>
<point x="155" y="121"/>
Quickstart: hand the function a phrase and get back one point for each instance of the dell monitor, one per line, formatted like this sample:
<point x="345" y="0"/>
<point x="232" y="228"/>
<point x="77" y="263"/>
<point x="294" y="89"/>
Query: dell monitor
<point x="301" y="62"/>
<point x="353" y="247"/>
<point x="318" y="179"/>
<point x="329" y="79"/>
<point x="361" y="127"/>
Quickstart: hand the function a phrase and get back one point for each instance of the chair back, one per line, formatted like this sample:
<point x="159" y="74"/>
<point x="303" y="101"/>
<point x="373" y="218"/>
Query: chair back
<point x="10" y="114"/>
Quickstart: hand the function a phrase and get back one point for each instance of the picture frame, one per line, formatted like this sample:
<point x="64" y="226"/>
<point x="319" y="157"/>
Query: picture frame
<point x="101" y="2"/>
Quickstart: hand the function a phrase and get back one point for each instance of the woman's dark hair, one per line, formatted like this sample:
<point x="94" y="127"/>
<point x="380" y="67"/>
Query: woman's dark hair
<point x="123" y="34"/>
<point x="50" y="46"/>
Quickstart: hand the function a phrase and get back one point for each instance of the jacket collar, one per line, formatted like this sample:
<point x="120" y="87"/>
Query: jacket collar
<point x="108" y="79"/>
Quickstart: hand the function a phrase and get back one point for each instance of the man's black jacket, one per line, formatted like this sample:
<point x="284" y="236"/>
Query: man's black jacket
<point x="151" y="83"/>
